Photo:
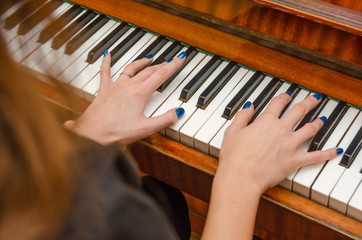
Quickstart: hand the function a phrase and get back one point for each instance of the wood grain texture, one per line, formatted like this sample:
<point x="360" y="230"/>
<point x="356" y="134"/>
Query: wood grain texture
<point x="293" y="69"/>
<point x="310" y="30"/>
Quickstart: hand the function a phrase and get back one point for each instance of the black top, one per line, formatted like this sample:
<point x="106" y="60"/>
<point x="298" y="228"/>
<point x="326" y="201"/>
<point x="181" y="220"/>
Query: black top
<point x="108" y="202"/>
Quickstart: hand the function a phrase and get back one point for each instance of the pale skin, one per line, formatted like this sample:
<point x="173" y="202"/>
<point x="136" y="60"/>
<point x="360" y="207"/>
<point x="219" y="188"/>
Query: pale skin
<point x="253" y="158"/>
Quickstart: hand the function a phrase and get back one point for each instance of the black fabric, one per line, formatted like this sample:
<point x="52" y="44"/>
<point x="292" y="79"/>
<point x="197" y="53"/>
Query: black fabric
<point x="109" y="202"/>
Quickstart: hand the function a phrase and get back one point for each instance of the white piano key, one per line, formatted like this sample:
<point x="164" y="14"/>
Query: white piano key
<point x="216" y="121"/>
<point x="216" y="142"/>
<point x="157" y="98"/>
<point x="9" y="35"/>
<point x="173" y="101"/>
<point x="20" y="40"/>
<point x="53" y="57"/>
<point x="81" y="75"/>
<point x="354" y="208"/>
<point x="190" y="106"/>
<point x="44" y="50"/>
<point x="82" y="52"/>
<point x="91" y="88"/>
<point x="305" y="177"/>
<point x="31" y="44"/>
<point x="282" y="89"/>
<point x="287" y="182"/>
<point x="346" y="186"/>
<point x="328" y="178"/>
<point x="197" y="120"/>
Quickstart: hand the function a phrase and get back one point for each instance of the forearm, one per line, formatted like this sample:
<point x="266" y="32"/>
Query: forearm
<point x="232" y="209"/>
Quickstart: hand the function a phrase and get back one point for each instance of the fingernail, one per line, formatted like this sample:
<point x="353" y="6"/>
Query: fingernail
<point x="339" y="150"/>
<point x="105" y="52"/>
<point x="170" y="60"/>
<point x="289" y="93"/>
<point x="149" y="56"/>
<point x="181" y="55"/>
<point x="247" y="105"/>
<point x="180" y="112"/>
<point x="324" y="119"/>
<point x="318" y="96"/>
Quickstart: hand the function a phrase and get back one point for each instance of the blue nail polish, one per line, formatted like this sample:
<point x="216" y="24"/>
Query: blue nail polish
<point x="181" y="55"/>
<point x="170" y="60"/>
<point x="289" y="93"/>
<point x="105" y="52"/>
<point x="318" y="96"/>
<point x="180" y="112"/>
<point x="247" y="105"/>
<point x="149" y="56"/>
<point x="339" y="150"/>
<point x="324" y="119"/>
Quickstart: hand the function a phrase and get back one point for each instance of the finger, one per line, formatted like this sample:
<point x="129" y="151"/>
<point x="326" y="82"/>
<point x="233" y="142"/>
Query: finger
<point x="164" y="72"/>
<point x="133" y="68"/>
<point x="147" y="72"/>
<point x="309" y="130"/>
<point x="242" y="118"/>
<point x="319" y="156"/>
<point x="167" y="119"/>
<point x="301" y="109"/>
<point x="277" y="104"/>
<point x="105" y="73"/>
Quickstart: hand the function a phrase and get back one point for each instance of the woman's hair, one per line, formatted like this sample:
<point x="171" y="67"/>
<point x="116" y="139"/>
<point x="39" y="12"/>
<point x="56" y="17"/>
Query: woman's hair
<point x="35" y="176"/>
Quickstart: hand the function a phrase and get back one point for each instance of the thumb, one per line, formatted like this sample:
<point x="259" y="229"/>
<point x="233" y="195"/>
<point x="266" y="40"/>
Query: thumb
<point x="167" y="119"/>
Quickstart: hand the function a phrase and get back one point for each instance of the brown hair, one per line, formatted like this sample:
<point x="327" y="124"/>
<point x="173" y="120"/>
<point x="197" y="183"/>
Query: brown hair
<point x="35" y="179"/>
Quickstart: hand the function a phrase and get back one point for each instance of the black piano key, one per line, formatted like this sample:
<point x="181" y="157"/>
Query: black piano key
<point x="217" y="84"/>
<point x="242" y="95"/>
<point x="7" y="5"/>
<point x="313" y="114"/>
<point x="23" y="12"/>
<point x="57" y="25"/>
<point x="38" y="16"/>
<point x="352" y="150"/>
<point x="72" y="29"/>
<point x="190" y="54"/>
<point x="126" y="44"/>
<point x="293" y="91"/>
<point x="153" y="48"/>
<point x="199" y="78"/>
<point x="265" y="96"/>
<point x="328" y="127"/>
<point x="169" y="53"/>
<point x="108" y="41"/>
<point x="85" y="34"/>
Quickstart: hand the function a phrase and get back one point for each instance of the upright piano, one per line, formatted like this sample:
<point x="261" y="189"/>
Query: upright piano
<point x="238" y="51"/>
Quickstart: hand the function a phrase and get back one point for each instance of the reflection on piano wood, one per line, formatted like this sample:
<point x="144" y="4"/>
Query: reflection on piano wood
<point x="211" y="87"/>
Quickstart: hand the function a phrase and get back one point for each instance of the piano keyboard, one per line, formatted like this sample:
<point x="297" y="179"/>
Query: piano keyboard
<point x="68" y="45"/>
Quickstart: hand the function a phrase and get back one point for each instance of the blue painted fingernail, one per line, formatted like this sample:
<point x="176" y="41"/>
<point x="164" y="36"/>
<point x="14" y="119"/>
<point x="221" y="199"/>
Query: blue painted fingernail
<point x="289" y="93"/>
<point x="247" y="105"/>
<point x="149" y="56"/>
<point x="181" y="55"/>
<point x="170" y="60"/>
<point x="324" y="119"/>
<point x="318" y="96"/>
<point x="105" y="52"/>
<point x="180" y="112"/>
<point x="339" y="150"/>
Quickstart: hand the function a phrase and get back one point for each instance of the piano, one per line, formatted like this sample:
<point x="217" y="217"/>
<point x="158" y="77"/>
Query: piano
<point x="227" y="65"/>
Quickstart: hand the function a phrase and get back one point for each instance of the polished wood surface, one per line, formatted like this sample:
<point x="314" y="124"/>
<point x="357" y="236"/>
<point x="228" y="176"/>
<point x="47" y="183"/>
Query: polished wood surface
<point x="282" y="214"/>
<point x="325" y="32"/>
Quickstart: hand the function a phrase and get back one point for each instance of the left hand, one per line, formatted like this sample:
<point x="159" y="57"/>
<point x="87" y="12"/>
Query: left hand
<point x="116" y="114"/>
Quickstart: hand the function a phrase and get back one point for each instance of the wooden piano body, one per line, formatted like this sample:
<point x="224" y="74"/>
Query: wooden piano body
<point x="282" y="214"/>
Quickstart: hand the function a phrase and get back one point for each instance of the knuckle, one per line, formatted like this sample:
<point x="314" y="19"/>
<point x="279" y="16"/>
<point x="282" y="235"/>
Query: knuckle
<point x="312" y="128"/>
<point x="300" y="107"/>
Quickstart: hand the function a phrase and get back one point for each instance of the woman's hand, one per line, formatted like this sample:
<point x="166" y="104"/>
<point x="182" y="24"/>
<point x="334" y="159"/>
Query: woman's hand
<point x="116" y="114"/>
<point x="267" y="151"/>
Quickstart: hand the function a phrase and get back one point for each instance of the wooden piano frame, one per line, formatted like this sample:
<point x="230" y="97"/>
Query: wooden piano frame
<point x="282" y="214"/>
